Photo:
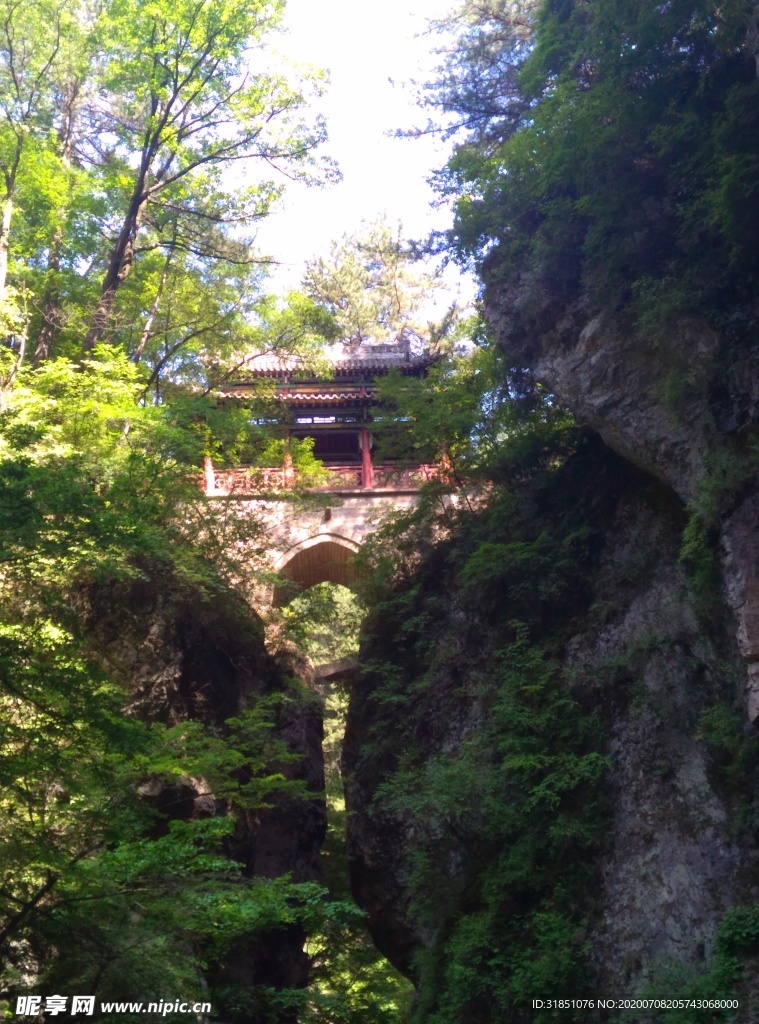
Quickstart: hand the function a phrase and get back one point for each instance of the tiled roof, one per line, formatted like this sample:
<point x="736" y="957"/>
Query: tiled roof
<point x="342" y="359"/>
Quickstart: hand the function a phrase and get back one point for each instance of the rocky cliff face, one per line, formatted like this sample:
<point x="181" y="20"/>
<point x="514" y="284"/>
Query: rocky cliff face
<point x="181" y="655"/>
<point x="633" y="644"/>
<point x="673" y="863"/>
<point x="684" y="406"/>
<point x="670" y="665"/>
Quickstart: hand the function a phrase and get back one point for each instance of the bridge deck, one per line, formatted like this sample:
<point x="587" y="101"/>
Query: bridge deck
<point x="260" y="480"/>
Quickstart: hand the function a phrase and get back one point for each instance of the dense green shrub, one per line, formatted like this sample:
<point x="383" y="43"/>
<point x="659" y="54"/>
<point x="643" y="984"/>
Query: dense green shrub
<point x="491" y="759"/>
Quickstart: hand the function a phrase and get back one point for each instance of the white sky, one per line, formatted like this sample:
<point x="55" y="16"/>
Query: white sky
<point x="363" y="45"/>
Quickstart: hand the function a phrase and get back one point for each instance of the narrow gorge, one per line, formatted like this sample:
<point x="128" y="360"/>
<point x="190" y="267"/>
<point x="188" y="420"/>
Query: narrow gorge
<point x="380" y="647"/>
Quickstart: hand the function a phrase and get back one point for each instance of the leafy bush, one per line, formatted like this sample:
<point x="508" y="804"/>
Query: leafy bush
<point x="492" y="769"/>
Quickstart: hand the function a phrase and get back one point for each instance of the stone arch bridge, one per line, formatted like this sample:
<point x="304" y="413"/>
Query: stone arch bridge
<point x="313" y="541"/>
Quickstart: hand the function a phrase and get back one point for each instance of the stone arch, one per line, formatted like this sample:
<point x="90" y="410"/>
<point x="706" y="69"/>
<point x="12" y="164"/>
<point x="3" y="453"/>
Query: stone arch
<point x="326" y="558"/>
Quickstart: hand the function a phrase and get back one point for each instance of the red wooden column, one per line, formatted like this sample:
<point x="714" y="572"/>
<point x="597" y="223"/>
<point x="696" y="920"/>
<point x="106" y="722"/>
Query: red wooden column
<point x="209" y="476"/>
<point x="367" y="469"/>
<point x="288" y="472"/>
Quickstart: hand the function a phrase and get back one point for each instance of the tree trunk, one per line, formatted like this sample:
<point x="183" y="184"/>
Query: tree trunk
<point x="119" y="265"/>
<point x="51" y="309"/>
<point x="9" y="173"/>
<point x="5" y="238"/>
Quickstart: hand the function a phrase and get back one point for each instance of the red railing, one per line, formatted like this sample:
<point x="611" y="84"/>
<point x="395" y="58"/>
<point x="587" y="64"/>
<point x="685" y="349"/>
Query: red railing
<point x="394" y="477"/>
<point x="262" y="479"/>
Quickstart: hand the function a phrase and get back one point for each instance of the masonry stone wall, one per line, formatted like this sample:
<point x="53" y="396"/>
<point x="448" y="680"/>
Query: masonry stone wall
<point x="290" y="526"/>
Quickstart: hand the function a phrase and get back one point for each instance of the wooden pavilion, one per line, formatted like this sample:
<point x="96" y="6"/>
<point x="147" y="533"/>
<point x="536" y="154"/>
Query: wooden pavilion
<point x="335" y="409"/>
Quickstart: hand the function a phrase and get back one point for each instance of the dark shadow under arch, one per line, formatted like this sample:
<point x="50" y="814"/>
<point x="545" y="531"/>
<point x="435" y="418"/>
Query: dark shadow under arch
<point x="326" y="561"/>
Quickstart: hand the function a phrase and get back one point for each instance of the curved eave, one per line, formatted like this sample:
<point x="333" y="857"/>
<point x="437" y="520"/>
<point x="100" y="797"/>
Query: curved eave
<point x="311" y="398"/>
<point x="349" y="370"/>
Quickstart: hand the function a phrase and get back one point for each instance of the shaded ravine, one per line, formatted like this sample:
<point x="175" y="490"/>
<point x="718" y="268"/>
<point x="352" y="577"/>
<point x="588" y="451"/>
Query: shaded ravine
<point x="632" y="661"/>
<point x="349" y="978"/>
